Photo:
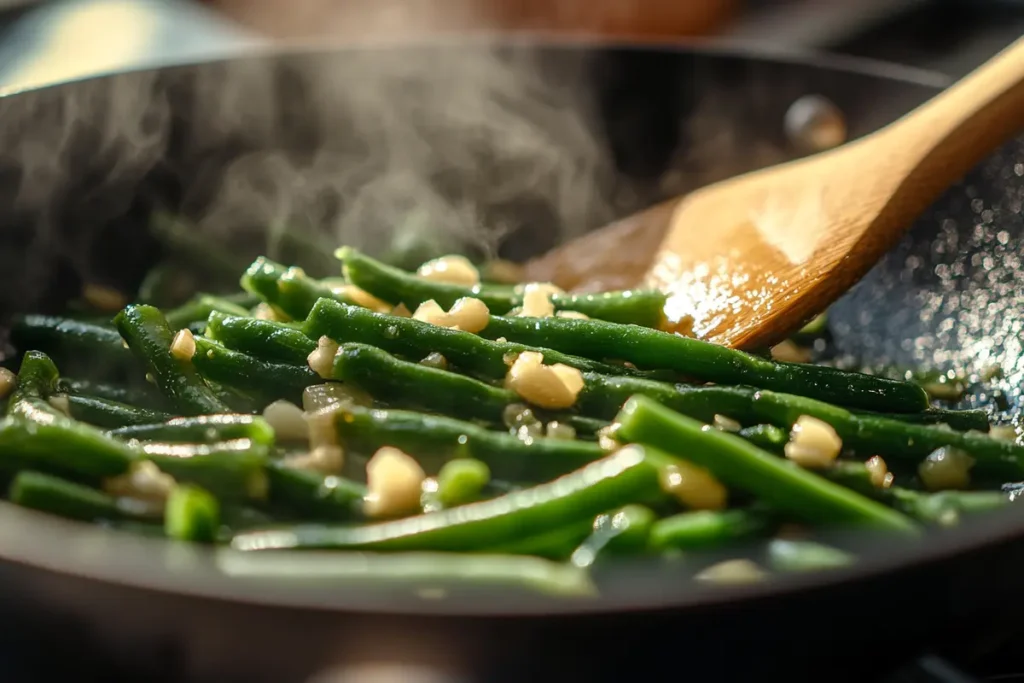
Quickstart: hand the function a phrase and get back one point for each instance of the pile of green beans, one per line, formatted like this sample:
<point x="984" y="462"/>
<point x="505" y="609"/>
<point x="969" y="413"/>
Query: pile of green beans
<point x="287" y="415"/>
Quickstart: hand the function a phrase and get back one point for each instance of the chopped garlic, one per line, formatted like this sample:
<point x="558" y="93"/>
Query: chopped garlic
<point x="143" y="480"/>
<point x="946" y="468"/>
<point x="606" y="437"/>
<point x="501" y="340"/>
<point x="104" y="298"/>
<point x="317" y="396"/>
<point x="8" y="382"/>
<point x="467" y="314"/>
<point x="60" y="402"/>
<point x="537" y="300"/>
<point x="788" y="352"/>
<point x="321" y="361"/>
<point x="732" y="572"/>
<point x="560" y="430"/>
<point x="548" y="386"/>
<point x="360" y="297"/>
<point x="879" y="471"/>
<point x="184" y="345"/>
<point x="287" y="420"/>
<point x="265" y="311"/>
<point x="813" y="443"/>
<point x="394" y="481"/>
<point x="453" y="269"/>
<point x="324" y="459"/>
<point x="727" y="424"/>
<point x="435" y="360"/>
<point x="402" y="311"/>
<point x="693" y="486"/>
<point x="320" y="426"/>
<point x="574" y="315"/>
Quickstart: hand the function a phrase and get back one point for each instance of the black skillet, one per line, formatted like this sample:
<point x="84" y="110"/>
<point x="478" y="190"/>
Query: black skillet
<point x="533" y="141"/>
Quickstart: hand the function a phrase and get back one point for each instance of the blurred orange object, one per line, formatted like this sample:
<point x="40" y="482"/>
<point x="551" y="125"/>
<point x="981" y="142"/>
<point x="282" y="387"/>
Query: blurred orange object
<point x="302" y="19"/>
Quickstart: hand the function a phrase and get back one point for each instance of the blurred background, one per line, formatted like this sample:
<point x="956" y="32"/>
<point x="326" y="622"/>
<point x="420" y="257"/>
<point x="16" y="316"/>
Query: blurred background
<point x="51" y="40"/>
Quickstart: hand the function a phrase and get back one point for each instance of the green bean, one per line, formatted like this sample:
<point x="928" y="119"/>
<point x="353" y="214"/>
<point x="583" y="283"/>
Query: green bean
<point x="641" y="307"/>
<point x="603" y="396"/>
<point x="232" y="470"/>
<point x="149" y="338"/>
<point x="555" y="544"/>
<point x="799" y="556"/>
<point x="191" y="514"/>
<point x="201" y="429"/>
<point x="58" y="496"/>
<point x="434" y="440"/>
<point x="943" y="509"/>
<point x="143" y="396"/>
<point x="893" y="438"/>
<point x="703" y="529"/>
<point x="37" y="380"/>
<point x="709" y="362"/>
<point x="264" y="339"/>
<point x="618" y="479"/>
<point x="79" y="346"/>
<point x="413" y="570"/>
<point x="766" y="437"/>
<point x="960" y="420"/>
<point x="241" y="371"/>
<point x="313" y="494"/>
<point x="740" y="464"/>
<point x="404" y="384"/>
<point x="289" y="290"/>
<point x="461" y="481"/>
<point x="101" y="412"/>
<point x="414" y="339"/>
<point x="199" y="309"/>
<point x="622" y="531"/>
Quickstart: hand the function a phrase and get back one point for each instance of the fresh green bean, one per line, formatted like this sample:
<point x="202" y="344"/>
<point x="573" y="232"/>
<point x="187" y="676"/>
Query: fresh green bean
<point x="264" y="339"/>
<point x="201" y="429"/>
<point x="191" y="514"/>
<point x="313" y="494"/>
<point x="555" y="544"/>
<point x="703" y="529"/>
<point x="101" y="412"/>
<point x="640" y="307"/>
<point x="199" y="309"/>
<point x="618" y="479"/>
<point x="622" y="531"/>
<point x="647" y="348"/>
<point x="241" y="371"/>
<point x="233" y="470"/>
<point x="435" y="440"/>
<point x="289" y="290"/>
<point x="143" y="396"/>
<point x="148" y="336"/>
<point x="80" y="347"/>
<point x="800" y="556"/>
<point x="738" y="463"/>
<point x="414" y="339"/>
<point x="603" y="396"/>
<point x="461" y="481"/>
<point x="960" y="420"/>
<point x="57" y="496"/>
<point x="404" y="384"/>
<point x="766" y="437"/>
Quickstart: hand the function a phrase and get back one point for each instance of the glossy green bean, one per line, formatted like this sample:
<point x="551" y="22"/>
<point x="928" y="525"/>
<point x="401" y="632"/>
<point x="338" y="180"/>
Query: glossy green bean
<point x="199" y="308"/>
<point x="191" y="514"/>
<point x="81" y="347"/>
<point x="625" y="531"/>
<point x="704" y="529"/>
<point x="101" y="412"/>
<point x="314" y="495"/>
<point x="263" y="339"/>
<point x="232" y="470"/>
<point x="64" y="498"/>
<point x="462" y="481"/>
<point x="289" y="290"/>
<point x="148" y="336"/>
<point x="740" y="464"/>
<point x="241" y="371"/>
<point x="200" y="429"/>
<point x="143" y="396"/>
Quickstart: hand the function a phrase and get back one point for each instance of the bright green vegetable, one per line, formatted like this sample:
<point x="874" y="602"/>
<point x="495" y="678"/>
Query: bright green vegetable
<point x="102" y="412"/>
<point x="79" y="346"/>
<point x="201" y="429"/>
<point x="624" y="531"/>
<point x="233" y="470"/>
<point x="200" y="308"/>
<point x="238" y="370"/>
<point x="706" y="528"/>
<point x="65" y="498"/>
<point x="143" y="396"/>
<point x="620" y="478"/>
<point x="461" y="481"/>
<point x="738" y="463"/>
<point x="191" y="514"/>
<point x="313" y="494"/>
<point x="264" y="339"/>
<point x="148" y="336"/>
<point x="640" y="307"/>
<point x="647" y="348"/>
<point x="289" y="290"/>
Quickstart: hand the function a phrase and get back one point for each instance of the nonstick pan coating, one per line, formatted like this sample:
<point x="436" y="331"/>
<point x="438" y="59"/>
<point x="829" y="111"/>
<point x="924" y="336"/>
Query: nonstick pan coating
<point x="85" y="163"/>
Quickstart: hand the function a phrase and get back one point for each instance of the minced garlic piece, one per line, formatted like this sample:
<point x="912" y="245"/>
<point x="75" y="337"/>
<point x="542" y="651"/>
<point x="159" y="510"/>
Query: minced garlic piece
<point x="727" y="424"/>
<point x="402" y="311"/>
<point x="606" y="437"/>
<point x="879" y="471"/>
<point x="8" y="382"/>
<point x="812" y="443"/>
<point x="287" y="420"/>
<point x="321" y="360"/>
<point x="143" y="480"/>
<point x="574" y="315"/>
<point x="394" y="481"/>
<point x="453" y="269"/>
<point x="360" y="297"/>
<point x="694" y="487"/>
<point x="60" y="402"/>
<point x="789" y="352"/>
<point x="184" y="345"/>
<point x="265" y="311"/>
<point x="559" y="430"/>
<point x="548" y="386"/>
<point x="324" y="459"/>
<point x="435" y="360"/>
<point x="537" y="300"/>
<point x="946" y="468"/>
<point x="467" y="314"/>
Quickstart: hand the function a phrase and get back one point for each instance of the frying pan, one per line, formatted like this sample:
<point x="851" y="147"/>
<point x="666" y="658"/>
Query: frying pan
<point x="510" y="147"/>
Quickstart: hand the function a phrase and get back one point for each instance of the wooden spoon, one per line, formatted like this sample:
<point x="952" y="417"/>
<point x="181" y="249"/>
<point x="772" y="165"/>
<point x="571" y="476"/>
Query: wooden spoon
<point x="752" y="258"/>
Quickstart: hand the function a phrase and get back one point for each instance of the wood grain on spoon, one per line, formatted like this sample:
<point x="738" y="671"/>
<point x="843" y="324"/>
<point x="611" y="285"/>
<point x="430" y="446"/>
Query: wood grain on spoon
<point x="754" y="257"/>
